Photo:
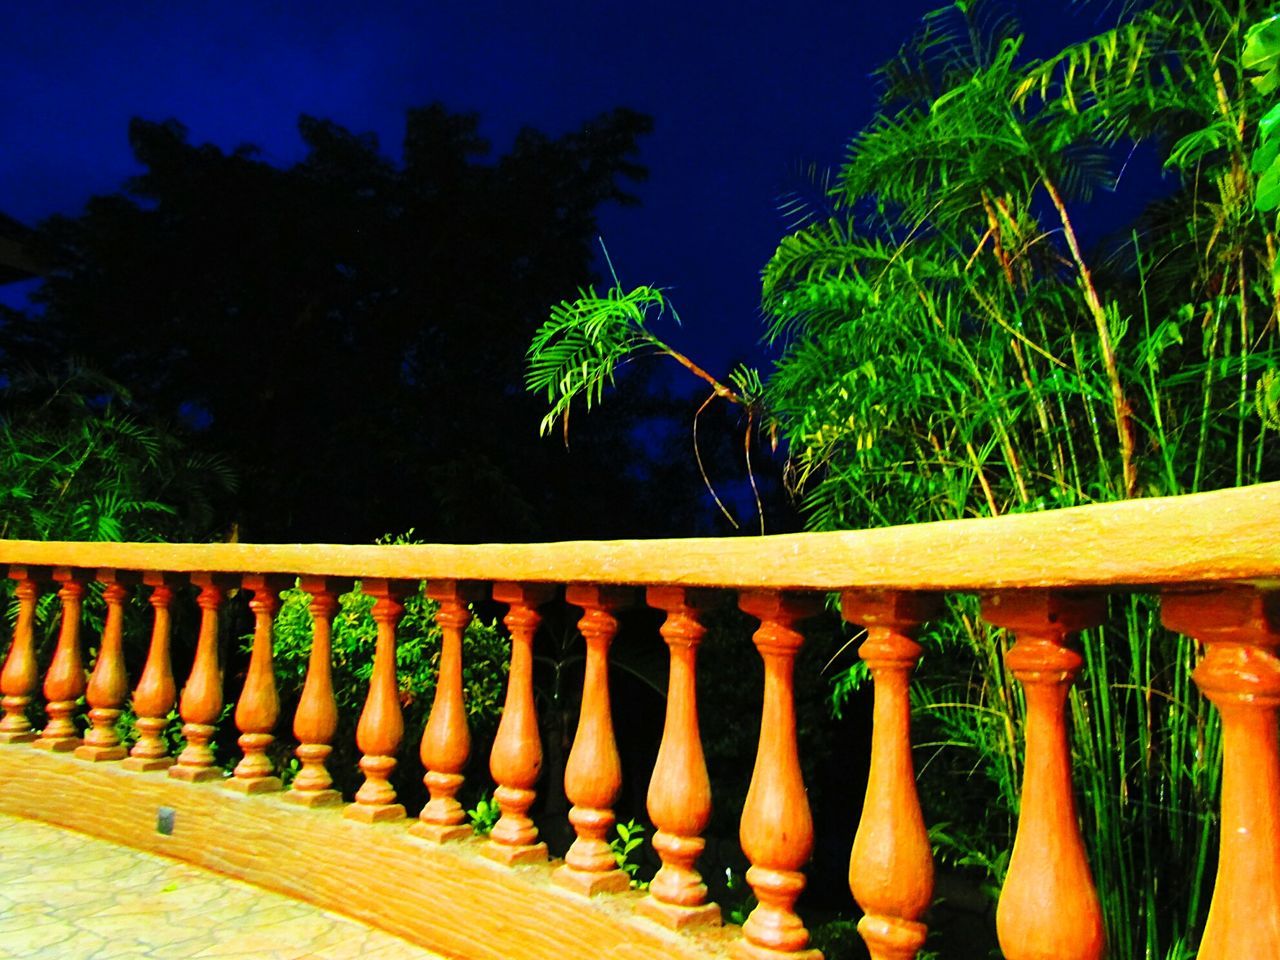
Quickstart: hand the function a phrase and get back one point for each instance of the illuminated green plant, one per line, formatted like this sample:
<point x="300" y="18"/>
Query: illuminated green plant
<point x="484" y="816"/>
<point x="574" y="355"/>
<point x="1262" y="59"/>
<point x="630" y="837"/>
<point x="486" y="653"/>
<point x="950" y="347"/>
<point x="81" y="464"/>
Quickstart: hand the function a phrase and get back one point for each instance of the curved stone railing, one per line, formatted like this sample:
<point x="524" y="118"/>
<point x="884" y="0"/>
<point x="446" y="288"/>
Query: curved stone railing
<point x="1214" y="558"/>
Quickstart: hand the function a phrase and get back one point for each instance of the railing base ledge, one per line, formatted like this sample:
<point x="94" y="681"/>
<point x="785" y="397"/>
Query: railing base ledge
<point x="254" y="785"/>
<point x="313" y="798"/>
<point x="195" y="774"/>
<point x="514" y="856"/>
<point x="374" y="812"/>
<point x="57" y="744"/>
<point x="675" y="917"/>
<point x="147" y="764"/>
<point x="589" y="884"/>
<point x="95" y="754"/>
<point x="441" y="833"/>
<point x="745" y="950"/>
<point x="448" y="898"/>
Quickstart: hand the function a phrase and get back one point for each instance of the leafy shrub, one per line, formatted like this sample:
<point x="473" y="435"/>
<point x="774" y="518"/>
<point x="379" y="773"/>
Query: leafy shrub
<point x="484" y="816"/>
<point x="486" y="655"/>
<point x="630" y="836"/>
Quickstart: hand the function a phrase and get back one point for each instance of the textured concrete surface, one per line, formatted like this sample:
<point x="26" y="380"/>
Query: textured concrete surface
<point x="67" y="896"/>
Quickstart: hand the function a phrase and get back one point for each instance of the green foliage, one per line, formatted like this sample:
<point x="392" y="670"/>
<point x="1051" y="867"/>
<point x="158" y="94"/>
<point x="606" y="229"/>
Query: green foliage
<point x="838" y="940"/>
<point x="630" y="837"/>
<point x="574" y="354"/>
<point x="81" y="464"/>
<point x="486" y="653"/>
<point x="289" y="771"/>
<point x="1262" y="57"/>
<point x="484" y="816"/>
<point x="950" y="350"/>
<point x="740" y="899"/>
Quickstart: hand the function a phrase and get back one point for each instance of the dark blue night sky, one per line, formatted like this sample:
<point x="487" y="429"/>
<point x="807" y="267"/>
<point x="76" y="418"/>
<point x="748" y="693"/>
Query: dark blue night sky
<point x="742" y="94"/>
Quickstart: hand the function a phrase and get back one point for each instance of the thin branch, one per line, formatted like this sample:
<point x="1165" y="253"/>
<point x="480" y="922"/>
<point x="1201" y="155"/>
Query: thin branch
<point x="1119" y="402"/>
<point x="751" y="474"/>
<point x="718" y="388"/>
<point x="982" y="479"/>
<point x="702" y="470"/>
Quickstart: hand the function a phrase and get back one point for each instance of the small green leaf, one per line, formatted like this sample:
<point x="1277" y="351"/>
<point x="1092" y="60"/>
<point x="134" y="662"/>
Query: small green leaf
<point x="1262" y="46"/>
<point x="1266" y="154"/>
<point x="1268" y="82"/>
<point x="1267" y="125"/>
<point x="1268" y="196"/>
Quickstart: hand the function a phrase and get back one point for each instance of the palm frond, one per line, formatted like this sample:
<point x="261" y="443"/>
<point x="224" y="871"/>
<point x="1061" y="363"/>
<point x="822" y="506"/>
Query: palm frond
<point x="575" y="353"/>
<point x="809" y="198"/>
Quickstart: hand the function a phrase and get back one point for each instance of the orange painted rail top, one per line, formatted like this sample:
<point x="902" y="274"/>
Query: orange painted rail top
<point x="1223" y="536"/>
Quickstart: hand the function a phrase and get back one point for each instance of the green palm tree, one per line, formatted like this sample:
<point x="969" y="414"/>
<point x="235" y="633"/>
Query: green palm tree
<point x="952" y="349"/>
<point x="951" y="346"/>
<point x="80" y="464"/>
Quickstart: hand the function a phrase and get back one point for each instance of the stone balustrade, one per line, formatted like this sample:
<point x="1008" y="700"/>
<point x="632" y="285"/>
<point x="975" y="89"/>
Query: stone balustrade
<point x="1213" y="558"/>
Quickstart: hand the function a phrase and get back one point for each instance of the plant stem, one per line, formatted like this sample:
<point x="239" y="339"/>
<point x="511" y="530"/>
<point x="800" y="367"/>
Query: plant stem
<point x="727" y="393"/>
<point x="1119" y="403"/>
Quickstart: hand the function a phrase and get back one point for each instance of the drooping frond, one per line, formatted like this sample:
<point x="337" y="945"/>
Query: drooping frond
<point x="815" y="277"/>
<point x="576" y="351"/>
<point x="952" y="44"/>
<point x="1167" y="71"/>
<point x="808" y="197"/>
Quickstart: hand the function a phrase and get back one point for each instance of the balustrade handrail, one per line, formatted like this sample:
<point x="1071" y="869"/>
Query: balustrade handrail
<point x="1221" y="536"/>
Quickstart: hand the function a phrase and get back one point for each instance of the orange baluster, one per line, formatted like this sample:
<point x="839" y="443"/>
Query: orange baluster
<point x="1049" y="907"/>
<point x="516" y="759"/>
<point x="109" y="684"/>
<point x="679" y="799"/>
<point x="777" y="827"/>
<point x="201" y="702"/>
<point x="20" y="675"/>
<point x="593" y="773"/>
<point x="64" y="682"/>
<point x="446" y="740"/>
<point x="891" y="867"/>
<point x="156" y="691"/>
<point x="316" y="719"/>
<point x="381" y="726"/>
<point x="258" y="708"/>
<point x="1240" y="675"/>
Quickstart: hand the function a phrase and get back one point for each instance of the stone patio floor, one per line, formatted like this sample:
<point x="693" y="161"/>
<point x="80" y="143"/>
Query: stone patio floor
<point x="67" y="896"/>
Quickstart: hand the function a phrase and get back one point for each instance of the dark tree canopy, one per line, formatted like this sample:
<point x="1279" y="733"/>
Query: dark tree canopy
<point x="351" y="330"/>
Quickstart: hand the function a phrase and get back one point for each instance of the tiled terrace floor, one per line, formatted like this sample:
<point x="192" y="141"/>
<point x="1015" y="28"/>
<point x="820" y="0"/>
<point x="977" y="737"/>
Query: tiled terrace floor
<point x="67" y="896"/>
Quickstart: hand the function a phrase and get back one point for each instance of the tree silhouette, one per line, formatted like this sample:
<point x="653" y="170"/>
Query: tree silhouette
<point x="351" y="329"/>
